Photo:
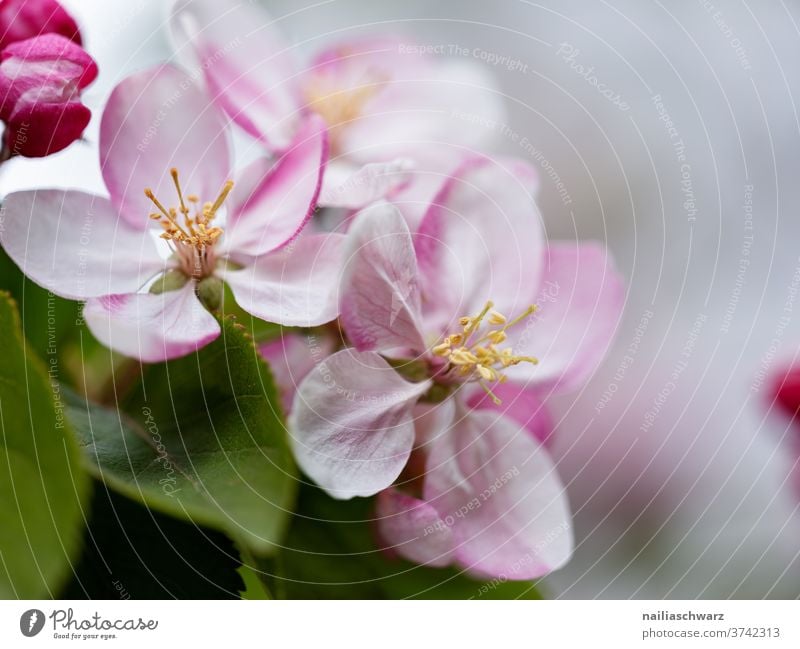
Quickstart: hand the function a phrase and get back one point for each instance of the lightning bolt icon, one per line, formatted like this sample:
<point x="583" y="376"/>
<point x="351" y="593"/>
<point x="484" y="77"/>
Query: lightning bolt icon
<point x="34" y="617"/>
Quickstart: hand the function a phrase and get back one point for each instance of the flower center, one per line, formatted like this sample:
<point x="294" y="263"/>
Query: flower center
<point x="340" y="106"/>
<point x="190" y="231"/>
<point x="474" y="353"/>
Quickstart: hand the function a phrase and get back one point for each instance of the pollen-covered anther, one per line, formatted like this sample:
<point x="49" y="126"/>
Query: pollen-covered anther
<point x="486" y="373"/>
<point x="443" y="348"/>
<point x="191" y="234"/>
<point x="473" y="353"/>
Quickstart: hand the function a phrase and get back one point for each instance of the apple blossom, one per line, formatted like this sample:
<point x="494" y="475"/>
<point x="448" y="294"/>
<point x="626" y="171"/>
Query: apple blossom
<point x="380" y="97"/>
<point x="105" y="250"/>
<point x="451" y="328"/>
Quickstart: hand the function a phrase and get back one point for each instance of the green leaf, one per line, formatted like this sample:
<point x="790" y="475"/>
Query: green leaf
<point x="260" y="330"/>
<point x="135" y="553"/>
<point x="48" y="321"/>
<point x="200" y="438"/>
<point x="254" y="588"/>
<point x="332" y="553"/>
<point x="54" y="328"/>
<point x="42" y="483"/>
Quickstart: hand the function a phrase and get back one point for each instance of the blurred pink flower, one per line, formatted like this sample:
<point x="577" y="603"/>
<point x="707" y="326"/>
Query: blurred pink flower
<point x="786" y="390"/>
<point x="381" y="97"/>
<point x="41" y="80"/>
<point x="425" y="408"/>
<point x="23" y="19"/>
<point x="87" y="247"/>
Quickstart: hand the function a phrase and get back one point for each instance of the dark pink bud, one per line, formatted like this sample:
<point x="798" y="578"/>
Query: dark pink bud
<point x="40" y="103"/>
<point x="24" y="19"/>
<point x="786" y="389"/>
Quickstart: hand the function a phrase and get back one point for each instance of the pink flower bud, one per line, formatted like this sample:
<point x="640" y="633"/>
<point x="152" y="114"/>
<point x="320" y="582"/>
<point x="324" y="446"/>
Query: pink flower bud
<point x="40" y="83"/>
<point x="24" y="19"/>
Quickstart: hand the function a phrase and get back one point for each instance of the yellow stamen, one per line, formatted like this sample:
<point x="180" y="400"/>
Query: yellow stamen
<point x="442" y="349"/>
<point x="491" y="394"/>
<point x="184" y="210"/>
<point x="223" y="194"/>
<point x="149" y="193"/>
<point x="486" y="372"/>
<point x="481" y="359"/>
<point x="192" y="240"/>
<point x="340" y="106"/>
<point x="475" y="322"/>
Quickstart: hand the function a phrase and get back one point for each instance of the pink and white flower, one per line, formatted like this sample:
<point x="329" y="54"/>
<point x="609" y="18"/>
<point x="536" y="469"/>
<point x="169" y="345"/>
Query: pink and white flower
<point x="437" y="405"/>
<point x="41" y="80"/>
<point x="246" y="234"/>
<point x="381" y="97"/>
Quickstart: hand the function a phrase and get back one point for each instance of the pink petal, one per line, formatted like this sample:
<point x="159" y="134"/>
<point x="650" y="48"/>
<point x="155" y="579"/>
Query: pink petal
<point x="247" y="65"/>
<point x="519" y="403"/>
<point x="433" y="168"/>
<point x="355" y="187"/>
<point x="73" y="244"/>
<point x="449" y="102"/>
<point x="413" y="529"/>
<point x="373" y="57"/>
<point x="580" y="301"/>
<point x="40" y="83"/>
<point x="431" y="420"/>
<point x="296" y="286"/>
<point x="498" y="490"/>
<point x="351" y="423"/>
<point x="274" y="199"/>
<point x="152" y="327"/>
<point x="52" y="58"/>
<point x="292" y="357"/>
<point x="23" y="19"/>
<point x="42" y="128"/>
<point x="379" y="295"/>
<point x="481" y="240"/>
<point x="155" y="120"/>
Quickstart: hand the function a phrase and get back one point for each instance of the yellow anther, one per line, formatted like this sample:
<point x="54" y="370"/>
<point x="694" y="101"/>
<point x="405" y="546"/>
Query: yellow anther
<point x="189" y="234"/>
<point x="462" y="356"/>
<point x="486" y="372"/>
<point x="223" y="194"/>
<point x="484" y="353"/>
<point x="184" y="210"/>
<point x="474" y="353"/>
<point x="442" y="349"/>
<point x="149" y="193"/>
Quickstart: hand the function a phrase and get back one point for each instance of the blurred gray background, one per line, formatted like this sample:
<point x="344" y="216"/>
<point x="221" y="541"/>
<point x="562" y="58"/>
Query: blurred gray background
<point x="680" y="149"/>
